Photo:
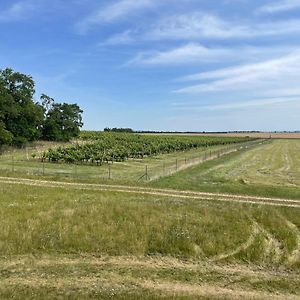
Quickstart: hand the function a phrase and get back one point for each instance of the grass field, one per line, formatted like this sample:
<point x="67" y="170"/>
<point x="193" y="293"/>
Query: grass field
<point x="269" y="170"/>
<point x="166" y="239"/>
<point x="61" y="242"/>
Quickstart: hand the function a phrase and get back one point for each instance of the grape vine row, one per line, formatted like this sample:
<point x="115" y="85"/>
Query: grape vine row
<point x="100" y="147"/>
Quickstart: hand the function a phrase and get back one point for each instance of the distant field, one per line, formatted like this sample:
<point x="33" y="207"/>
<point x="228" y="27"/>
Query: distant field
<point x="261" y="135"/>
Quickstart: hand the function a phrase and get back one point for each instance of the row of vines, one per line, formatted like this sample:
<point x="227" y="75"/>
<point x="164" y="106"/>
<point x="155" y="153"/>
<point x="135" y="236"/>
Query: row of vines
<point x="99" y="147"/>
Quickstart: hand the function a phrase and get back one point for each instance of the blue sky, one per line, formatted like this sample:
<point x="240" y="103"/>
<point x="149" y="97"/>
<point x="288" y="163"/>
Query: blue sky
<point x="198" y="65"/>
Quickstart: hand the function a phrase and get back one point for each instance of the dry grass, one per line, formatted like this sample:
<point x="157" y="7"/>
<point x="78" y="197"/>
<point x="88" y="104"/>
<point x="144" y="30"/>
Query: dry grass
<point x="260" y="135"/>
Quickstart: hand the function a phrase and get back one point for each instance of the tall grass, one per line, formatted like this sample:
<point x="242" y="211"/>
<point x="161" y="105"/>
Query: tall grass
<point x="55" y="220"/>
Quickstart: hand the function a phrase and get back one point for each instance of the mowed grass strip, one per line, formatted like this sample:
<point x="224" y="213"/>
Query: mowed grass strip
<point x="271" y="170"/>
<point x="91" y="277"/>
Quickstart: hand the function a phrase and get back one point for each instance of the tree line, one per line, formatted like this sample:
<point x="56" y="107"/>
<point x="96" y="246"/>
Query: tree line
<point x="24" y="120"/>
<point x="125" y="130"/>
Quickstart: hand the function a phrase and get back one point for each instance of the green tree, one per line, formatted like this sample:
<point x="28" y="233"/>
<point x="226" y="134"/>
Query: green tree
<point x="63" y="122"/>
<point x="47" y="103"/>
<point x="21" y="118"/>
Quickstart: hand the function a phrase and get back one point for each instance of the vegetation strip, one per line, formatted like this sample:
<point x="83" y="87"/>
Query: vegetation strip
<point x="157" y="192"/>
<point x="99" y="147"/>
<point x="111" y="274"/>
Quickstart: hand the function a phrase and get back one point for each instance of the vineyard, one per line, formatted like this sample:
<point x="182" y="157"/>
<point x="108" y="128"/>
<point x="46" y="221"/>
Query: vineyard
<point x="99" y="147"/>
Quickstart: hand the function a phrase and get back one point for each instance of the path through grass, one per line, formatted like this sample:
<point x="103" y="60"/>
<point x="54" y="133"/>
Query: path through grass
<point x="85" y="244"/>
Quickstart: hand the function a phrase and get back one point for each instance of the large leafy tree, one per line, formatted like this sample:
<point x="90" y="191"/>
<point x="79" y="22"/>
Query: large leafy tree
<point x="6" y="106"/>
<point x="21" y="118"/>
<point x="63" y="121"/>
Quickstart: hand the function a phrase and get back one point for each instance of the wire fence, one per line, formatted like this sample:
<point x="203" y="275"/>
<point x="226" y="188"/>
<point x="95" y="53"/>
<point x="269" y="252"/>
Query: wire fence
<point x="21" y="163"/>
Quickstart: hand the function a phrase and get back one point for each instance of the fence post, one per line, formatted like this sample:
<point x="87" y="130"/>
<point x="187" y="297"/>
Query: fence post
<point x="43" y="167"/>
<point x="164" y="169"/>
<point x="176" y="165"/>
<point x="109" y="172"/>
<point x="76" y="175"/>
<point x="12" y="163"/>
<point x="147" y="172"/>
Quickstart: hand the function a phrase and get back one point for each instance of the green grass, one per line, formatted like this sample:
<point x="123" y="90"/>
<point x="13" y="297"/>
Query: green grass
<point x="260" y="171"/>
<point x="94" y="244"/>
<point x="64" y="243"/>
<point x="111" y="223"/>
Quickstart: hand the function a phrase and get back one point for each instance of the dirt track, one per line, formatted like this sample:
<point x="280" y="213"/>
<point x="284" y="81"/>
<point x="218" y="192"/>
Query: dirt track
<point x="156" y="192"/>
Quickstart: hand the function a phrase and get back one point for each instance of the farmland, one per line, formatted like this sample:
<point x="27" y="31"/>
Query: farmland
<point x="271" y="169"/>
<point x="118" y="157"/>
<point x="193" y="234"/>
<point x="256" y="135"/>
<point x="103" y="147"/>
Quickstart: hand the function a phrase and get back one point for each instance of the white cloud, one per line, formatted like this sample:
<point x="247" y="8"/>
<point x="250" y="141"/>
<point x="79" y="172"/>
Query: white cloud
<point x="113" y="12"/>
<point x="18" y="11"/>
<point x="279" y="6"/>
<point x="191" y="52"/>
<point x="123" y="38"/>
<point x="289" y="101"/>
<point x="196" y="26"/>
<point x="265" y="75"/>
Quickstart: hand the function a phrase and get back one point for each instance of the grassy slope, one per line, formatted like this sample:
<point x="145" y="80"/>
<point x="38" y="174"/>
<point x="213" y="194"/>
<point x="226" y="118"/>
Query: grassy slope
<point x="88" y="245"/>
<point x="267" y="170"/>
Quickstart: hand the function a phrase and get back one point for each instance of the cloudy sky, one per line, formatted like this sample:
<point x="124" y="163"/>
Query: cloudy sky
<point x="198" y="65"/>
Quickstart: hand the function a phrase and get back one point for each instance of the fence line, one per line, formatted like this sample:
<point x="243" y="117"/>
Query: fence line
<point x="203" y="157"/>
<point x="121" y="171"/>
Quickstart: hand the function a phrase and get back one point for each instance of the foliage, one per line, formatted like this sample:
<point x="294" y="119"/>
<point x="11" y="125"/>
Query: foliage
<point x="104" y="147"/>
<point x="62" y="122"/>
<point x="22" y="120"/>
<point x="128" y="130"/>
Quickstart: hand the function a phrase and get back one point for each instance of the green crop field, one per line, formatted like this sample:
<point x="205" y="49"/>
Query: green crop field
<point x="227" y="227"/>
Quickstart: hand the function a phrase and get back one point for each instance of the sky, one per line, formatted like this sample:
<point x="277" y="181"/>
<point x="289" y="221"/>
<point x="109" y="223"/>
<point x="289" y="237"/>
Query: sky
<point x="188" y="65"/>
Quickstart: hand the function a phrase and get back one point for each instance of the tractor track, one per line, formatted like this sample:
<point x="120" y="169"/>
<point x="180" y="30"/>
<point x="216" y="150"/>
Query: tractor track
<point x="155" y="192"/>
